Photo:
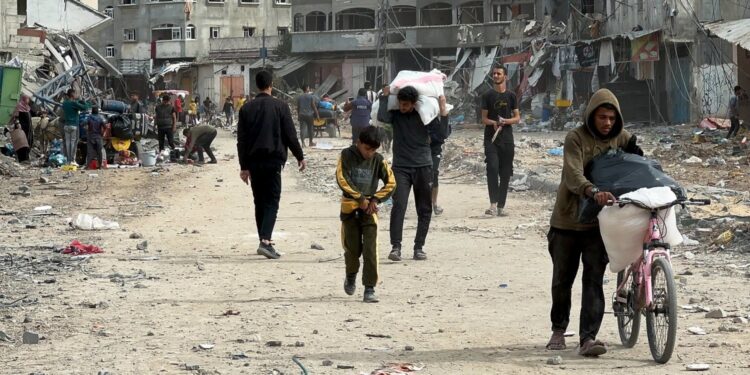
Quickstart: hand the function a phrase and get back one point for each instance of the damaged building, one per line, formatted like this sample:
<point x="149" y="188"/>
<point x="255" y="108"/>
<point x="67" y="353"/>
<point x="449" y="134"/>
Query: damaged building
<point x="662" y="55"/>
<point x="204" y="47"/>
<point x="348" y="43"/>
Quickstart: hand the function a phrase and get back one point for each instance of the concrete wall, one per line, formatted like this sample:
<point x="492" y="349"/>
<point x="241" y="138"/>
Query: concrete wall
<point x="231" y="17"/>
<point x="11" y="21"/>
<point x="61" y="15"/>
<point x="712" y="88"/>
<point x="655" y="15"/>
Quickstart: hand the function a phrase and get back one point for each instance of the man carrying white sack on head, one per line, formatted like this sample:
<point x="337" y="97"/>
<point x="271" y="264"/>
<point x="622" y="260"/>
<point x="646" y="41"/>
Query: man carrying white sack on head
<point x="412" y="163"/>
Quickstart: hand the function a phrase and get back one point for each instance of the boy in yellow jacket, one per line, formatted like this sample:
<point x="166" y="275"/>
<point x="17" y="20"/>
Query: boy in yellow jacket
<point x="358" y="172"/>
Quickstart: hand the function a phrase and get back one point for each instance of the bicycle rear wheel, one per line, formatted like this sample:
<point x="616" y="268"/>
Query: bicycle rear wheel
<point x="628" y="315"/>
<point x="661" y="317"/>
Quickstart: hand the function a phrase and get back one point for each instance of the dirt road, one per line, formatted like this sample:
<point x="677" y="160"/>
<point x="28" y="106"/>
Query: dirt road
<point x="148" y="312"/>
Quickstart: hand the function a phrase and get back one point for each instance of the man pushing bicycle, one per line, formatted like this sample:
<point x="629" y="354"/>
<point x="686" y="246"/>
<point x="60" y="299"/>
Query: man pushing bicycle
<point x="571" y="241"/>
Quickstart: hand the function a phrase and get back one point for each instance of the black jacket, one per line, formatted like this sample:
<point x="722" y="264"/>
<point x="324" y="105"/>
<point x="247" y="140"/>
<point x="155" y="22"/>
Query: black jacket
<point x="265" y="131"/>
<point x="412" y="138"/>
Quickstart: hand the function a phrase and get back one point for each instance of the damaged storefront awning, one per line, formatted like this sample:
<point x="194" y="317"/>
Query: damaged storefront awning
<point x="283" y="67"/>
<point x="737" y="32"/>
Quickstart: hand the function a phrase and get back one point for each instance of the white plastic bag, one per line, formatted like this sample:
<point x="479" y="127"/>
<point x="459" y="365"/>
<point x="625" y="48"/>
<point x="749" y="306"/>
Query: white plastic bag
<point x="426" y="83"/>
<point x="427" y="107"/>
<point x="88" y="222"/>
<point x="624" y="229"/>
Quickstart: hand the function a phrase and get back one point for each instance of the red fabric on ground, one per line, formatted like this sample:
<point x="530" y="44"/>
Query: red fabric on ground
<point x="77" y="248"/>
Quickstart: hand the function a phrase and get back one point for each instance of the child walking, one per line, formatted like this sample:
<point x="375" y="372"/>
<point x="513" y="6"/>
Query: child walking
<point x="359" y="170"/>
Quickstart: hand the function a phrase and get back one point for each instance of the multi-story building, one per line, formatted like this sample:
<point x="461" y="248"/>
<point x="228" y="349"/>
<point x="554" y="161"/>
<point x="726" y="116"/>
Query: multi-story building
<point x="360" y="40"/>
<point x="222" y="37"/>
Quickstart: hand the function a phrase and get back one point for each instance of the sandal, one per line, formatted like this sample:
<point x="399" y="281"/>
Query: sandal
<point x="557" y="341"/>
<point x="592" y="348"/>
<point x="492" y="211"/>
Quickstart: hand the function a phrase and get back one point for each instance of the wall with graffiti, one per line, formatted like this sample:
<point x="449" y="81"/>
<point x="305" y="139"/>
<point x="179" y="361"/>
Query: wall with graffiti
<point x="714" y="85"/>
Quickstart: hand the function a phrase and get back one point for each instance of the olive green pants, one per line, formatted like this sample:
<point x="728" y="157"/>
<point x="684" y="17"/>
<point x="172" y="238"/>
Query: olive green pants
<point x="359" y="237"/>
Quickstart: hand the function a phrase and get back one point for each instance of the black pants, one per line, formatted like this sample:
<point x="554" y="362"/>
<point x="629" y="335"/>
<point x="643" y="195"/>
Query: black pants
<point x="167" y="134"/>
<point x="499" y="159"/>
<point x="421" y="180"/>
<point x="265" y="182"/>
<point x="24" y="118"/>
<point x="23" y="154"/>
<point x="567" y="248"/>
<point x="306" y="128"/>
<point x="204" y="144"/>
<point x="734" y="128"/>
<point x="355" y="132"/>
<point x="437" y="155"/>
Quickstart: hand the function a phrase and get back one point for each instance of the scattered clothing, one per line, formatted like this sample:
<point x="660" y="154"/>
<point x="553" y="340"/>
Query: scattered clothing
<point x="78" y="248"/>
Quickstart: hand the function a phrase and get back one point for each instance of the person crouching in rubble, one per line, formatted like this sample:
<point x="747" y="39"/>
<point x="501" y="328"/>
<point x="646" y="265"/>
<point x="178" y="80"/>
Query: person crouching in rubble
<point x="200" y="137"/>
<point x="571" y="241"/>
<point x="94" y="138"/>
<point x="19" y="141"/>
<point x="358" y="172"/>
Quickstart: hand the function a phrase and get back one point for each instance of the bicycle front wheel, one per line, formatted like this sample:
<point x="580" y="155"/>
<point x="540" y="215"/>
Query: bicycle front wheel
<point x="628" y="315"/>
<point x="661" y="317"/>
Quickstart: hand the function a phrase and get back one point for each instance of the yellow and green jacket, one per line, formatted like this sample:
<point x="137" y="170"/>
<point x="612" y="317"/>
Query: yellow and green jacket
<point x="358" y="178"/>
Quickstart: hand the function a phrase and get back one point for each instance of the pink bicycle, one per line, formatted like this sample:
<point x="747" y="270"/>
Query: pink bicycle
<point x="647" y="287"/>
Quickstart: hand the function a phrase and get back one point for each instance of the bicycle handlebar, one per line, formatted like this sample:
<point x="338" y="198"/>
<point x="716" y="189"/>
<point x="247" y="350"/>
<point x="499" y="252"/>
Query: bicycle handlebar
<point x="683" y="202"/>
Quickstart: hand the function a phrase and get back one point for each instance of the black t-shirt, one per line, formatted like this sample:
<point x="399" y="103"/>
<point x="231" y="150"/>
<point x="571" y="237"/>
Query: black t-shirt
<point x="499" y="105"/>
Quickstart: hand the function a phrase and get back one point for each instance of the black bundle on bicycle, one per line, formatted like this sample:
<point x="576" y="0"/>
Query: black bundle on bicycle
<point x="619" y="173"/>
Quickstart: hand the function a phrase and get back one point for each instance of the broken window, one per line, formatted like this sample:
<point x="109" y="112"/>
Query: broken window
<point x="109" y="51"/>
<point x="283" y="2"/>
<point x="216" y="1"/>
<point x="190" y="32"/>
<point x="20" y="7"/>
<point x="587" y="6"/>
<point x="526" y="11"/>
<point x="109" y="12"/>
<point x="471" y="12"/>
<point x="128" y="2"/>
<point x="299" y="22"/>
<point x="249" y="1"/>
<point x="248" y="32"/>
<point x="355" y="19"/>
<point x="128" y="35"/>
<point x="437" y="14"/>
<point x="166" y="32"/>
<point x="214" y="32"/>
<point x="402" y="16"/>
<point x="315" y="21"/>
<point x="282" y="31"/>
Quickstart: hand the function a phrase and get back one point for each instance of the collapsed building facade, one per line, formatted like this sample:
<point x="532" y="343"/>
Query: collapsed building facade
<point x="661" y="55"/>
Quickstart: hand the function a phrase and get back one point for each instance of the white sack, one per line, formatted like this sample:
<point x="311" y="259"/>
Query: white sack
<point x="624" y="229"/>
<point x="428" y="84"/>
<point x="89" y="222"/>
<point x="427" y="107"/>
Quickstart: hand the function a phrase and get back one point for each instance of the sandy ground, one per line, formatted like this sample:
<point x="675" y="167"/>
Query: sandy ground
<point x="153" y="309"/>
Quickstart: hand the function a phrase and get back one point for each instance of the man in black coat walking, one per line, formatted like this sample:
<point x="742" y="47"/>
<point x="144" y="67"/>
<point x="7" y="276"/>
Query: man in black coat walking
<point x="265" y="131"/>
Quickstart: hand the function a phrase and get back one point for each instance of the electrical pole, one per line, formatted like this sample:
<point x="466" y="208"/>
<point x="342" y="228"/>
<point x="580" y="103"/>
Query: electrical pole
<point x="263" y="51"/>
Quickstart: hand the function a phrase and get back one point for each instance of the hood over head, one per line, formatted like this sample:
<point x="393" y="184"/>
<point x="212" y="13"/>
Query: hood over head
<point x="603" y="96"/>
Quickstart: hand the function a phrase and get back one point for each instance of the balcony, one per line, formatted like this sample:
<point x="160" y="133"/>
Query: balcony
<point x="171" y="49"/>
<point x="445" y="36"/>
<point x="240" y="48"/>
